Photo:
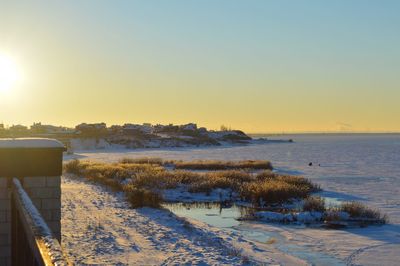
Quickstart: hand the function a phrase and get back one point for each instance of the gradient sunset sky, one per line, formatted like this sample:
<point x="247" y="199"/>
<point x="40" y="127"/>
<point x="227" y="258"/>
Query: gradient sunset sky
<point x="259" y="66"/>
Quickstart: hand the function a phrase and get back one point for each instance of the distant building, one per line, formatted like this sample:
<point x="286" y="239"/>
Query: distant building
<point x="48" y="129"/>
<point x="91" y="128"/>
<point x="147" y="128"/>
<point x="137" y="129"/>
<point x="202" y="130"/>
<point x="18" y="128"/>
<point x="115" y="128"/>
<point x="190" y="126"/>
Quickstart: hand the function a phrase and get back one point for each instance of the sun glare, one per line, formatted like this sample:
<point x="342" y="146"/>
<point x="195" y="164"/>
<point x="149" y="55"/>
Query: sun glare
<point x="9" y="73"/>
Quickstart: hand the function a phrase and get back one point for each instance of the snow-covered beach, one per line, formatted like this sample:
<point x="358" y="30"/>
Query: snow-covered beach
<point x="99" y="228"/>
<point x="352" y="167"/>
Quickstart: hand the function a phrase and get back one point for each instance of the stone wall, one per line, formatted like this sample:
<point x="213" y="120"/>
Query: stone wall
<point x="45" y="193"/>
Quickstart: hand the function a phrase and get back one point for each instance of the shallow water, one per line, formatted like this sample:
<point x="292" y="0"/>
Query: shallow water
<point x="226" y="218"/>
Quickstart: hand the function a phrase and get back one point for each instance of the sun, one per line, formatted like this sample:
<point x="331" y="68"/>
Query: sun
<point x="9" y="73"/>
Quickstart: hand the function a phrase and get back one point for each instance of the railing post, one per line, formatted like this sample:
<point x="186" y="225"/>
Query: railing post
<point x="37" y="163"/>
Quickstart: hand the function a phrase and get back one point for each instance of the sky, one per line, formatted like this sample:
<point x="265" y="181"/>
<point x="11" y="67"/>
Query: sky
<point x="259" y="66"/>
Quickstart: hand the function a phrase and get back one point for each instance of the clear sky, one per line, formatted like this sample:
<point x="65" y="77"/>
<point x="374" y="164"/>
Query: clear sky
<point x="260" y="66"/>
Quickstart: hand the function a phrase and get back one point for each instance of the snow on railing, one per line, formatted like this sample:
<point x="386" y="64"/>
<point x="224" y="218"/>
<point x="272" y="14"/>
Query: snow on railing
<point x="33" y="241"/>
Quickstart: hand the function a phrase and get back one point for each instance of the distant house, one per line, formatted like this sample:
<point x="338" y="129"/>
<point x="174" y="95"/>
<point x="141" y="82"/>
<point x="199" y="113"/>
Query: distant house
<point x="147" y="128"/>
<point x="202" y="130"/>
<point x="48" y="129"/>
<point x="190" y="127"/>
<point x="171" y="128"/>
<point x="91" y="128"/>
<point x="18" y="128"/>
<point x="158" y="128"/>
<point x="130" y="129"/>
<point x="115" y="129"/>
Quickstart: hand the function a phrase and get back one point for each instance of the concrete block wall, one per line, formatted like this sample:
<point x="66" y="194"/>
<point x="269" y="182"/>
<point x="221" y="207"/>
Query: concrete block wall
<point x="45" y="193"/>
<point x="5" y="222"/>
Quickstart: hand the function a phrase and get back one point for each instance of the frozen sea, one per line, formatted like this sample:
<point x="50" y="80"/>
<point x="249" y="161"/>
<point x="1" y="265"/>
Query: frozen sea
<point x="361" y="167"/>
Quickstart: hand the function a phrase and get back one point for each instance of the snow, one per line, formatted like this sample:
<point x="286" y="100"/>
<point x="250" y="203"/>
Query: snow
<point x="302" y="217"/>
<point x="309" y="217"/>
<point x="89" y="144"/>
<point x="30" y="143"/>
<point x="353" y="167"/>
<point x="181" y="194"/>
<point x="40" y="226"/>
<point x="270" y="216"/>
<point x="98" y="227"/>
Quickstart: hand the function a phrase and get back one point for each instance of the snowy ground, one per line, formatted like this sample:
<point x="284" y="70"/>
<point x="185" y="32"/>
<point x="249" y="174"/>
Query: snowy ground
<point x="98" y="227"/>
<point x="364" y="168"/>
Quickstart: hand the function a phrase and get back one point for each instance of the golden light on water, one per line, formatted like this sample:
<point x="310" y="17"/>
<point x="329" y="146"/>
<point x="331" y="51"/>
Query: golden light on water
<point x="9" y="73"/>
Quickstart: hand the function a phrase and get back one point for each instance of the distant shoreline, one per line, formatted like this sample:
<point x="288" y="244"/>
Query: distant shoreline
<point x="321" y="133"/>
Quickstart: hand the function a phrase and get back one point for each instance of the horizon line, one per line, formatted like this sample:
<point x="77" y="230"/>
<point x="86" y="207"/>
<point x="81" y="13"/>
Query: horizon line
<point x="321" y="132"/>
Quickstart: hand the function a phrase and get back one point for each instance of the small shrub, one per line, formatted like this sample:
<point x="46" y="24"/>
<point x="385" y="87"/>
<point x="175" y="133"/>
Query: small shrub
<point x="73" y="167"/>
<point x="314" y="204"/>
<point x="361" y="211"/>
<point x="140" y="197"/>
<point x="333" y="215"/>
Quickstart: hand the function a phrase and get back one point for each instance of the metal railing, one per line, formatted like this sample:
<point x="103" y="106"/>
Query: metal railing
<point x="32" y="241"/>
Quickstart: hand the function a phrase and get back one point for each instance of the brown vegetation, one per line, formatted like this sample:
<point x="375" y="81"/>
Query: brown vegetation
<point x="316" y="204"/>
<point x="358" y="210"/>
<point x="143" y="160"/>
<point x="223" y="165"/>
<point x="143" y="180"/>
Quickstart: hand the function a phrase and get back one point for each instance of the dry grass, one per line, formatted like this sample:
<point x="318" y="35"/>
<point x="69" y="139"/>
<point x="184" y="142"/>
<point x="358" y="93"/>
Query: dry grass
<point x="73" y="167"/>
<point x="140" y="197"/>
<point x="232" y="179"/>
<point x="222" y="165"/>
<point x="143" y="181"/>
<point x="270" y="188"/>
<point x="358" y="210"/>
<point x="143" y="160"/>
<point x="273" y="191"/>
<point x="314" y="204"/>
<point x="113" y="175"/>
